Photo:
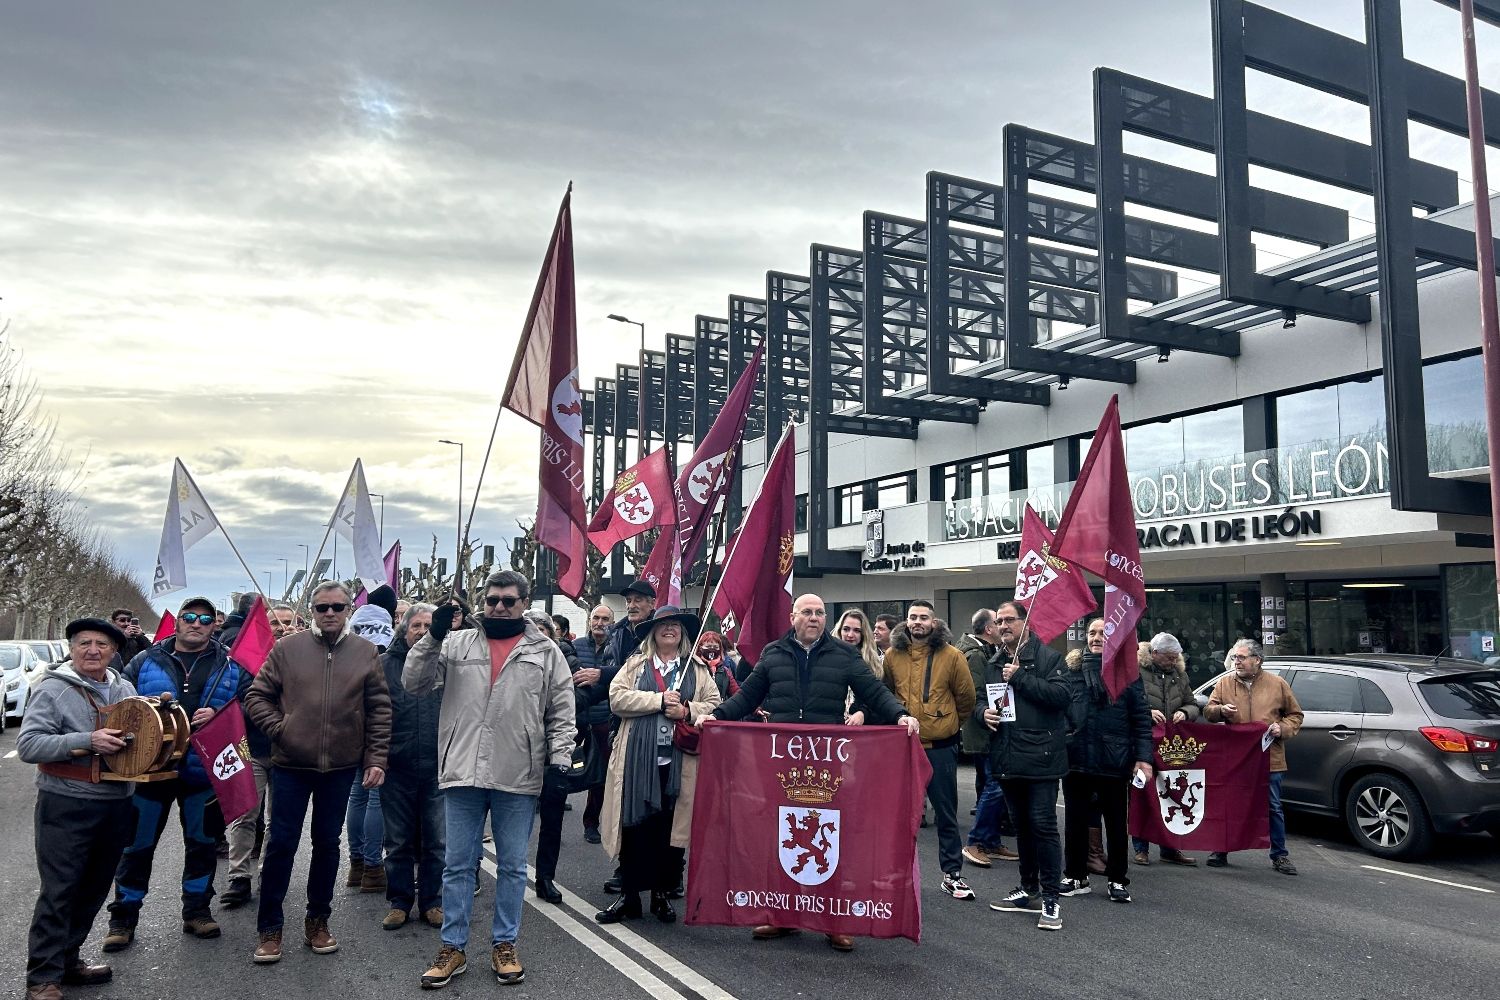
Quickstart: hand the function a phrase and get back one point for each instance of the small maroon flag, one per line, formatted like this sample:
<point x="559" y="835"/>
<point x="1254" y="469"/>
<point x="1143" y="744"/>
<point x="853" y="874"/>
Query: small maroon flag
<point x="167" y="626"/>
<point x="709" y="474"/>
<point x="808" y="826"/>
<point x="543" y="387"/>
<point x="1211" y="791"/>
<point x="225" y="753"/>
<point x="1097" y="532"/>
<point x="640" y="500"/>
<point x="1054" y="593"/>
<point x="392" y="575"/>
<point x="754" y="598"/>
<point x="663" y="569"/>
<point x="253" y="644"/>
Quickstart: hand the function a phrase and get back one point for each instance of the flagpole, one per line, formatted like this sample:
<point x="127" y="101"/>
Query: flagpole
<point x="233" y="548"/>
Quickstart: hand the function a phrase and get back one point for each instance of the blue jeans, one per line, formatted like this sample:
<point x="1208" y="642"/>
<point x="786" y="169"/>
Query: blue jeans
<point x="365" y="821"/>
<point x="510" y="826"/>
<point x="1278" y="818"/>
<point x="987" y="813"/>
<point x="291" y="792"/>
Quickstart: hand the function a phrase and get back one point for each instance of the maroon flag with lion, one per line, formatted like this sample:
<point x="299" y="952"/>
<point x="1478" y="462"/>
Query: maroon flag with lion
<point x="1211" y="791"/>
<point x="808" y="826"/>
<point x="225" y="753"/>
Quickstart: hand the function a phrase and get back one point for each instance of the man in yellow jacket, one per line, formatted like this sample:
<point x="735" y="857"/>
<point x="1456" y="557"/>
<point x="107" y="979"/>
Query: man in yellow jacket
<point x="1249" y="694"/>
<point x="931" y="677"/>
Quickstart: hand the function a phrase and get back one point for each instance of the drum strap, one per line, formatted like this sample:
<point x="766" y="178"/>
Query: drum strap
<point x="85" y="769"/>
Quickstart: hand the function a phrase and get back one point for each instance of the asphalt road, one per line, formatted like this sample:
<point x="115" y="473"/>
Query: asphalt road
<point x="1343" y="927"/>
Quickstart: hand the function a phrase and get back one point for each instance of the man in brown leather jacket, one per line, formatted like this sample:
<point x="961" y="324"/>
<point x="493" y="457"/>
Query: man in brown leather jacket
<point x="322" y="699"/>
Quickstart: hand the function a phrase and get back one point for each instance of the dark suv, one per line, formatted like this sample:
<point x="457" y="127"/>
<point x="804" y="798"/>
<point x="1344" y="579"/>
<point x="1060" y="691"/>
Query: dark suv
<point x="1401" y="747"/>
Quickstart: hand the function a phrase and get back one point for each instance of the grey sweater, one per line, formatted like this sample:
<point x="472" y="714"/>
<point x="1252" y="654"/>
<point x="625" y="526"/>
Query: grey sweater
<point x="59" y="719"/>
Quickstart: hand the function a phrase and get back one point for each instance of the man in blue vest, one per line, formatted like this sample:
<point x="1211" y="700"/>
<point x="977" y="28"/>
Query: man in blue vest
<point x="198" y="673"/>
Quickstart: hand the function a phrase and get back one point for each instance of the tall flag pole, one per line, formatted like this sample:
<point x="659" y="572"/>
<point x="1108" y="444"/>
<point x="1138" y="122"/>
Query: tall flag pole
<point x="1097" y="532"/>
<point x="543" y="388"/>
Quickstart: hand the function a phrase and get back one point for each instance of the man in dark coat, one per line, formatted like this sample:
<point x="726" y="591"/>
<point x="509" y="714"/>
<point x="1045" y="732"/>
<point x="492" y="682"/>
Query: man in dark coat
<point x="1029" y="755"/>
<point x="806" y="676"/>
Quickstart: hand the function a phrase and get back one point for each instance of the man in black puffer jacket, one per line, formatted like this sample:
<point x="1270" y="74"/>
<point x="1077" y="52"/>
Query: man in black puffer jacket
<point x="1029" y="756"/>
<point x="1111" y="739"/>
<point x="806" y="676"/>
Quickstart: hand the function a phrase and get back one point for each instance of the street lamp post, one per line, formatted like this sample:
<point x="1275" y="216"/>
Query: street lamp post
<point x="458" y="543"/>
<point x="286" y="575"/>
<point x="640" y="388"/>
<point x="268" y="579"/>
<point x="306" y="565"/>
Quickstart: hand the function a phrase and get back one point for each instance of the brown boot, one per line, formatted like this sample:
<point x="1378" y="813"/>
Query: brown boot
<point x="81" y="973"/>
<point x="356" y="873"/>
<point x="373" y="879"/>
<point x="316" y="936"/>
<point x="201" y="925"/>
<point x="269" y="948"/>
<point x="1097" y="865"/>
<point x="44" y="991"/>
<point x="434" y="916"/>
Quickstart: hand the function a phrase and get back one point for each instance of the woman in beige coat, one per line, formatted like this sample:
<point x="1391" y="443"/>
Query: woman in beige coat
<point x="648" y="795"/>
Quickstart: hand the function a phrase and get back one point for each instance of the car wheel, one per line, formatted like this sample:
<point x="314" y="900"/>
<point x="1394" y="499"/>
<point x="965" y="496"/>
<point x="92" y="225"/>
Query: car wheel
<point x="1387" y="818"/>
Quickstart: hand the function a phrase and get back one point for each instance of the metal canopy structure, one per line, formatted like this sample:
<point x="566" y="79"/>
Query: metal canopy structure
<point x="1003" y="292"/>
<point x="602" y="424"/>
<point x="652" y="402"/>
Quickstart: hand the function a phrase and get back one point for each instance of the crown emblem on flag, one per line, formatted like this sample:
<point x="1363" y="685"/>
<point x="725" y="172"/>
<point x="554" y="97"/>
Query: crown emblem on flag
<point x="1179" y="752"/>
<point x="785" y="554"/>
<point x="809" y="785"/>
<point x="626" y="481"/>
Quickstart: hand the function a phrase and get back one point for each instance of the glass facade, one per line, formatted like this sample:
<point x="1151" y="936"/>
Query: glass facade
<point x="1469" y="596"/>
<point x="1456" y="436"/>
<point x="1333" y="413"/>
<point x="1180" y="440"/>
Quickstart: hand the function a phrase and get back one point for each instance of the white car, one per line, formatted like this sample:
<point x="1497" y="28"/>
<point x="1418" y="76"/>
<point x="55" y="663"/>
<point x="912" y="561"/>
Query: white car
<point x="45" y="650"/>
<point x="18" y="661"/>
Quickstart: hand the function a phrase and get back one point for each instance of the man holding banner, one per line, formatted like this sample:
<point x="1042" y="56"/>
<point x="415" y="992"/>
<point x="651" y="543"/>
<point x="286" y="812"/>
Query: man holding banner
<point x="196" y="672"/>
<point x="805" y="677"/>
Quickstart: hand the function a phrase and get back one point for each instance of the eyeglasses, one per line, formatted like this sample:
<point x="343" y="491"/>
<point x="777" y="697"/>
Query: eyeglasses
<point x="335" y="607"/>
<point x="493" y="600"/>
<point x="813" y="613"/>
<point x="1238" y="657"/>
<point x="193" y="618"/>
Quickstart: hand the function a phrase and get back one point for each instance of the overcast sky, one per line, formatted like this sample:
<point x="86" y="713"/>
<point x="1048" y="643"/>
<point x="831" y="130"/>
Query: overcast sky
<point x="271" y="237"/>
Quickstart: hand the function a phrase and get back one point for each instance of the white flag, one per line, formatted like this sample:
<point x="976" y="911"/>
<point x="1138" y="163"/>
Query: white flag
<point x="189" y="520"/>
<point x="354" y="520"/>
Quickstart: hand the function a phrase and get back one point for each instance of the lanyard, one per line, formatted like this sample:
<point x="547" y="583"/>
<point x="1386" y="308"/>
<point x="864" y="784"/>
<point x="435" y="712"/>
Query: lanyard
<point x="656" y="674"/>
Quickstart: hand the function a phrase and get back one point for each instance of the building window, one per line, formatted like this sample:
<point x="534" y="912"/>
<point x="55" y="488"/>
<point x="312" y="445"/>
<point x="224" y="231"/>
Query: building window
<point x="1333" y="413"/>
<point x="848" y="504"/>
<point x="1454" y="394"/>
<point x="975" y="477"/>
<point x="893" y="491"/>
<point x="1183" y="440"/>
<point x="1039" y="467"/>
<point x="801" y="511"/>
<point x="851" y="500"/>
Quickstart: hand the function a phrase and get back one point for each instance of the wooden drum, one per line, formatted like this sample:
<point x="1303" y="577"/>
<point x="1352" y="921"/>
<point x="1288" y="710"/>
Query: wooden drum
<point x="156" y="739"/>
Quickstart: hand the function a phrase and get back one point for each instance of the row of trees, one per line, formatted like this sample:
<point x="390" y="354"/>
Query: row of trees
<point x="54" y="565"/>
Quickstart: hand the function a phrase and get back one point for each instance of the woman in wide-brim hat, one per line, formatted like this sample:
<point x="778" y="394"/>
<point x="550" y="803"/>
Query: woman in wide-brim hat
<point x="648" y="796"/>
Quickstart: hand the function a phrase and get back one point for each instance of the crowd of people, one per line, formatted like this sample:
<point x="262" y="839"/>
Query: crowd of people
<point x="423" y="730"/>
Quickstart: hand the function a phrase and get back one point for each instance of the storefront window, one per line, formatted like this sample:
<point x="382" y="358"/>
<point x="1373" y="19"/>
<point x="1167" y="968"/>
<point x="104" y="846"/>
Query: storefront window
<point x="1039" y="470"/>
<point x="1183" y="440"/>
<point x="1472" y="624"/>
<point x="1454" y="393"/>
<point x="1336" y="412"/>
<point x="1195" y="614"/>
<point x="1374" y="617"/>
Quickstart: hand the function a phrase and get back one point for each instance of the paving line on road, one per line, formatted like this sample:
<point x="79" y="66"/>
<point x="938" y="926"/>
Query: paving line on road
<point x="618" y="959"/>
<point x="10" y="755"/>
<point x="1427" y="878"/>
<point x="694" y="981"/>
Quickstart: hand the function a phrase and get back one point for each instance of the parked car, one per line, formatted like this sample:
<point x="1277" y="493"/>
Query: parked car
<point x="1400" y="747"/>
<point x="60" y="646"/>
<point x="45" y="650"/>
<point x="18" y="661"/>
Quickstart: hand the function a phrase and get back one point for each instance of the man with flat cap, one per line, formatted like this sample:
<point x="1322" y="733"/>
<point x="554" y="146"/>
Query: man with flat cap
<point x="81" y="823"/>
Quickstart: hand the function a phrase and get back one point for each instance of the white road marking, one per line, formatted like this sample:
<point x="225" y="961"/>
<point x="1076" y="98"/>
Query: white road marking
<point x="10" y="755"/>
<point x="703" y="987"/>
<point x="615" y="956"/>
<point x="1424" y="878"/>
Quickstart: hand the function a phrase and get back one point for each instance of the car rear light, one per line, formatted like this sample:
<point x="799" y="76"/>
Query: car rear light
<point x="1456" y="741"/>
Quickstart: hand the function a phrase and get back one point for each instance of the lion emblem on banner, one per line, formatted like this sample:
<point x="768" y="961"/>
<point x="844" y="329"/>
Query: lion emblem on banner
<point x="809" y="851"/>
<point x="567" y="407"/>
<point x="231" y="760"/>
<point x="1181" y="791"/>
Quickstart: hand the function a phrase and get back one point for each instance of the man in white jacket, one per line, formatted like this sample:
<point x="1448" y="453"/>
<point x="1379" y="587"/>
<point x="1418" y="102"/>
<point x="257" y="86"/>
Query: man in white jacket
<point x="505" y="727"/>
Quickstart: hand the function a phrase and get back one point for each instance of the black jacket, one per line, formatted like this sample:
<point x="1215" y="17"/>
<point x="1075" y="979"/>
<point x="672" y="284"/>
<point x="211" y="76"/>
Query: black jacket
<point x="414" y="719"/>
<point x="796" y="685"/>
<point x="1035" y="746"/>
<point x="1108" y="736"/>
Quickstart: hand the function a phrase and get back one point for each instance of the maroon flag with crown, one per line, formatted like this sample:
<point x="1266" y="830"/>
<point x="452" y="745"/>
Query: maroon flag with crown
<point x="1211" y="791"/>
<point x="709" y="474"/>
<point x="754" y="598"/>
<point x="663" y="569"/>
<point x="1097" y="532"/>
<point x="1054" y="593"/>
<point x="640" y="500"/>
<point x="808" y="826"/>
<point x="543" y="387"/>
<point x="225" y="753"/>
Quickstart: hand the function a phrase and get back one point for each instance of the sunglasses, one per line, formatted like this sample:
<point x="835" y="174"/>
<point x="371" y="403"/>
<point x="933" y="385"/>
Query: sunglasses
<point x="335" y="607"/>
<point x="509" y="602"/>
<point x="193" y="618"/>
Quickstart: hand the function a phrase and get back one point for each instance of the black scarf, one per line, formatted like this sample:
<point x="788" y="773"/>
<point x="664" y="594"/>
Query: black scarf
<point x="503" y="628"/>
<point x="641" y="792"/>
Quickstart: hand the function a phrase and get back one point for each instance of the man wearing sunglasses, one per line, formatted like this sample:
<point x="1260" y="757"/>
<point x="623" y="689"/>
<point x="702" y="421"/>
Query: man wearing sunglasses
<point x="196" y="672"/>
<point x="321" y="698"/>
<point x="506" y="720"/>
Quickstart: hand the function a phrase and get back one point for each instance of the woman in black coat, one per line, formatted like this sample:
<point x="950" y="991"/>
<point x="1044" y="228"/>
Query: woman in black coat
<point x="1111" y="740"/>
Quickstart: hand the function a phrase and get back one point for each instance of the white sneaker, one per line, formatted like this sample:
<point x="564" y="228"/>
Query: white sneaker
<point x="955" y="886"/>
<point x="1018" y="900"/>
<point x="1051" y="918"/>
<point x="1074" y="887"/>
